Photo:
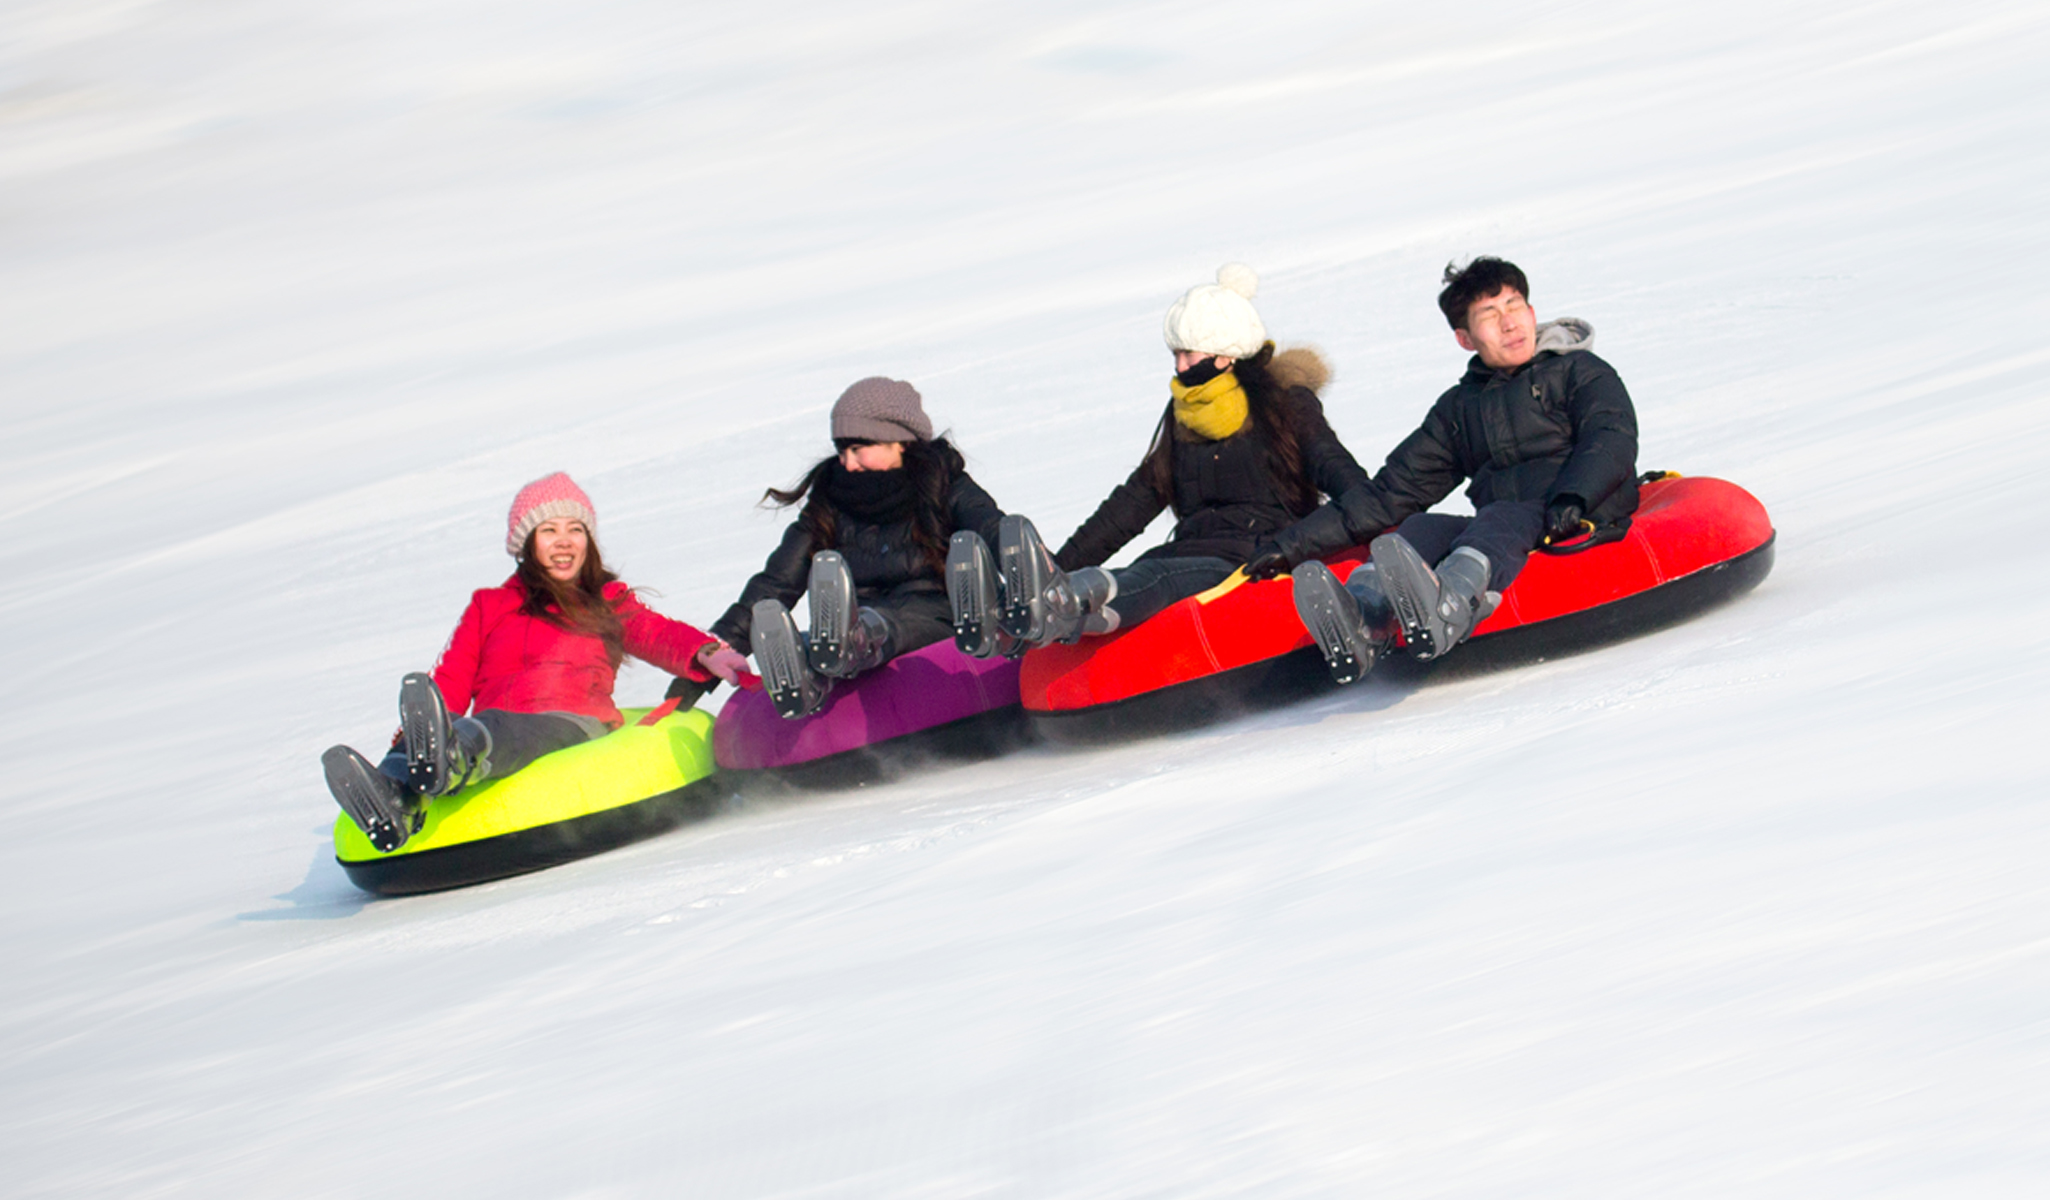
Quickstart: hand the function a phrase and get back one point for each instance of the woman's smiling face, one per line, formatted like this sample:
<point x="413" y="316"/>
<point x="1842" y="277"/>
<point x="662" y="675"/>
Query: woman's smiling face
<point x="560" y="546"/>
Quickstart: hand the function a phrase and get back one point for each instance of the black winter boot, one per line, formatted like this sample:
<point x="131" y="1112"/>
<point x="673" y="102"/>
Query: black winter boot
<point x="1365" y="585"/>
<point x="441" y="755"/>
<point x="423" y="723"/>
<point x="976" y="594"/>
<point x="1094" y="589"/>
<point x="470" y="761"/>
<point x="833" y="621"/>
<point x="1435" y="609"/>
<point x="1350" y="624"/>
<point x="786" y="671"/>
<point x="1042" y="603"/>
<point x="1029" y="575"/>
<point x="380" y="806"/>
<point x="863" y="648"/>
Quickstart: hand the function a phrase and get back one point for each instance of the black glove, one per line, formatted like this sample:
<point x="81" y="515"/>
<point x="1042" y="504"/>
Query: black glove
<point x="687" y="692"/>
<point x="1564" y="517"/>
<point x="1267" y="561"/>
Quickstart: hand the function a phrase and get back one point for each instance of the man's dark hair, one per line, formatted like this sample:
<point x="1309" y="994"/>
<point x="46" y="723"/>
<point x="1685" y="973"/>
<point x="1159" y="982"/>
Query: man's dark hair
<point x="1478" y="280"/>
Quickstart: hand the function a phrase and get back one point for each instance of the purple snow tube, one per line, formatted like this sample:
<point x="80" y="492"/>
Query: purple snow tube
<point x="924" y="690"/>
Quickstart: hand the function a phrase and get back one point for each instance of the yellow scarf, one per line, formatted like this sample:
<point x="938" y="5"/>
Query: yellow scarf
<point x="1213" y="410"/>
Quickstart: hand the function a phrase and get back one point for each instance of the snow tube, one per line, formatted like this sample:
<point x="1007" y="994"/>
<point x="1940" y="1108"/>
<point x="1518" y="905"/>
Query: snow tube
<point x="1691" y="544"/>
<point x="630" y="784"/>
<point x="934" y="701"/>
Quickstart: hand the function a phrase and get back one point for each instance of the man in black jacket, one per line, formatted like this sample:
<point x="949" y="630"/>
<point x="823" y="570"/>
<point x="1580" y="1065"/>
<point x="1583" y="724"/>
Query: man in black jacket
<point x="1542" y="428"/>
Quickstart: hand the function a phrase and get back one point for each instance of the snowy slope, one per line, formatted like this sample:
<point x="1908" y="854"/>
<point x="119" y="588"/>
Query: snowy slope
<point x="298" y="294"/>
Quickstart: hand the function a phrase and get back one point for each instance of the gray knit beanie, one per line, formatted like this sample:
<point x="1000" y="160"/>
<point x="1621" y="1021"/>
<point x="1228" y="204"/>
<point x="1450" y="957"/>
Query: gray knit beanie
<point x="881" y="410"/>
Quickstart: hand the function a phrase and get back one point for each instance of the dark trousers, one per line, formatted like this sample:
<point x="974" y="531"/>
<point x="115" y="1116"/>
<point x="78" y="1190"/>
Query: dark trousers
<point x="1152" y="584"/>
<point x="1506" y="532"/>
<point x="517" y="739"/>
<point x="916" y="621"/>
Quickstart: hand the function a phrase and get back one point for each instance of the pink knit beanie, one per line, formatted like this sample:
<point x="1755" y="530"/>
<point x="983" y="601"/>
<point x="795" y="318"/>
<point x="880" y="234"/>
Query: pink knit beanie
<point x="546" y="499"/>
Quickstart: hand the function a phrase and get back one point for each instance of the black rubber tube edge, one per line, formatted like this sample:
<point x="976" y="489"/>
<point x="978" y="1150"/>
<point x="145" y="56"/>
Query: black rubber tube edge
<point x="539" y="848"/>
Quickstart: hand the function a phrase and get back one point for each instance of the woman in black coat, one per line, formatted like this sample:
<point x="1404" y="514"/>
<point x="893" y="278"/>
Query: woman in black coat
<point x="869" y="545"/>
<point x="1242" y="453"/>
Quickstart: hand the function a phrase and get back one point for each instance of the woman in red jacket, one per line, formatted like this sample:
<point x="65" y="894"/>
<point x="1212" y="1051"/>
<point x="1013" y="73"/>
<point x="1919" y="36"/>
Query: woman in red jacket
<point x="531" y="665"/>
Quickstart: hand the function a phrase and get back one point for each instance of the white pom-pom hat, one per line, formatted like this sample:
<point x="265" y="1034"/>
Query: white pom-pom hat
<point x="1218" y="318"/>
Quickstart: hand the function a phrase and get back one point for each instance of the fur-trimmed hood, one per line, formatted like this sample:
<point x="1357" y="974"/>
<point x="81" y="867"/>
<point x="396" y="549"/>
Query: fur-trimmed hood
<point x="1300" y="366"/>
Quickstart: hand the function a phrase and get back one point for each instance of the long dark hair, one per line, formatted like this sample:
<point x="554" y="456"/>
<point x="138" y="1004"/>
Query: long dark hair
<point x="580" y="605"/>
<point x="1268" y="405"/>
<point x="930" y="466"/>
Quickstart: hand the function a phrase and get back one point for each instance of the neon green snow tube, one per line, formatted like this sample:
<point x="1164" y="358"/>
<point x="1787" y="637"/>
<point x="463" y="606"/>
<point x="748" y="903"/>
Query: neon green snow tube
<point x="630" y="784"/>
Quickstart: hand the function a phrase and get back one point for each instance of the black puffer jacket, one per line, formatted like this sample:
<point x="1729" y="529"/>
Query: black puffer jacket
<point x="1226" y="499"/>
<point x="1560" y="425"/>
<point x="884" y="559"/>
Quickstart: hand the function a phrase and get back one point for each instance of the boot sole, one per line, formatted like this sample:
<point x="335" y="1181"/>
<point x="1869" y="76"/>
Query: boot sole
<point x="1028" y="570"/>
<point x="970" y="593"/>
<point x="1412" y="591"/>
<point x="1024" y="612"/>
<point x="423" y="719"/>
<point x="1330" y="613"/>
<point x="832" y="611"/>
<point x="782" y="659"/>
<point x="365" y="795"/>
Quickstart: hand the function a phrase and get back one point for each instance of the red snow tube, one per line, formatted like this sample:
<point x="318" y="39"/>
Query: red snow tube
<point x="1692" y="544"/>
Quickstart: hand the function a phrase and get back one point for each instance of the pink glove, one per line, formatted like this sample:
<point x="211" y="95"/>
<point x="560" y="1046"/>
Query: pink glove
<point x="724" y="661"/>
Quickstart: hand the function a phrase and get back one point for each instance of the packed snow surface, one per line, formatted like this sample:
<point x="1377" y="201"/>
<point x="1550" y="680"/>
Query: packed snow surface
<point x="298" y="294"/>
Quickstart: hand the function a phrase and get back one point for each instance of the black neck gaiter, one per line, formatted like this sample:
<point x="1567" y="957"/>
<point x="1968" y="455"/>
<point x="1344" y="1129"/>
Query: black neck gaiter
<point x="878" y="497"/>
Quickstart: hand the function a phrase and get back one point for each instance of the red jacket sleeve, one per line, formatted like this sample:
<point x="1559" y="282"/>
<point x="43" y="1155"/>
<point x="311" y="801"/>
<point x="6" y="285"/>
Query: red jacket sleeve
<point x="652" y="637"/>
<point x="456" y="673"/>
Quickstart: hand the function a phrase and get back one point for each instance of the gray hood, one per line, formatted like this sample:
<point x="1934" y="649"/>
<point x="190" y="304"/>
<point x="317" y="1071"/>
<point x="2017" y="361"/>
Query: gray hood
<point x="1565" y="334"/>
